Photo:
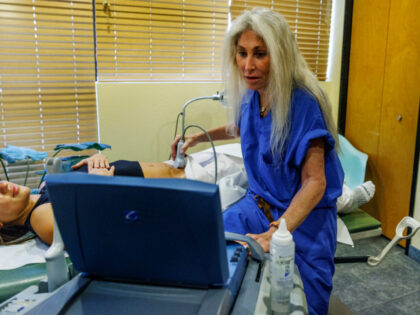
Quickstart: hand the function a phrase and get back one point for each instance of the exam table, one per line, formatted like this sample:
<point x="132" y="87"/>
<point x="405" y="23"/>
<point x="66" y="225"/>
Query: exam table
<point x="15" y="280"/>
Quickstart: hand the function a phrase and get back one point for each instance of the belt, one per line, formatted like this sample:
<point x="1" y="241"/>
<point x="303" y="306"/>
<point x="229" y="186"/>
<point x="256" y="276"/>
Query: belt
<point x="265" y="207"/>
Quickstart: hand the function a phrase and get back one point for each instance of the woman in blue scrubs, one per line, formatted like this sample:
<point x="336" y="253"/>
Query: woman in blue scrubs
<point x="288" y="142"/>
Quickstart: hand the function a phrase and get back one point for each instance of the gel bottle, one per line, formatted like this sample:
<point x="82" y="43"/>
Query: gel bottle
<point x="282" y="256"/>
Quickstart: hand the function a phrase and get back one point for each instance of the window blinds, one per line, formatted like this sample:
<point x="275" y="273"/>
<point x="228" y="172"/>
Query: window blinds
<point x="47" y="50"/>
<point x="160" y="40"/>
<point x="181" y="40"/>
<point x="47" y="75"/>
<point x="310" y="20"/>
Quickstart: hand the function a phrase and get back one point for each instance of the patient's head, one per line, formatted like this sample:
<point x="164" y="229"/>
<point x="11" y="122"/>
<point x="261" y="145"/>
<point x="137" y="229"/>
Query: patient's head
<point x="13" y="201"/>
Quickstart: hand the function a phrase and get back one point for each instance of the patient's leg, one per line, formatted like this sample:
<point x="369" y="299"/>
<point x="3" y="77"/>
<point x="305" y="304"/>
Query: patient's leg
<point x="352" y="199"/>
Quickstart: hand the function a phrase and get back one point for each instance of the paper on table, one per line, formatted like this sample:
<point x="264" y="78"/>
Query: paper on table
<point x="343" y="234"/>
<point x="15" y="256"/>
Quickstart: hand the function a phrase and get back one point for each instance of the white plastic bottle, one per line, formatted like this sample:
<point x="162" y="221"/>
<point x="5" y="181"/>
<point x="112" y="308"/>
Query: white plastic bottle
<point x="282" y="256"/>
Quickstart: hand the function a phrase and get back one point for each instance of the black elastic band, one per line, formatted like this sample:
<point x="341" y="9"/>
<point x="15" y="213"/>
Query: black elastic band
<point x="350" y="259"/>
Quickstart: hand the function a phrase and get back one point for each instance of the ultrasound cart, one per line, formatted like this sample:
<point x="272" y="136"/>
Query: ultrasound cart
<point x="147" y="246"/>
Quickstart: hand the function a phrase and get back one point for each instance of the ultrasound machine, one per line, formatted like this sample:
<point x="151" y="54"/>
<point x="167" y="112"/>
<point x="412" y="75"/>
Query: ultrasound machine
<point x="142" y="246"/>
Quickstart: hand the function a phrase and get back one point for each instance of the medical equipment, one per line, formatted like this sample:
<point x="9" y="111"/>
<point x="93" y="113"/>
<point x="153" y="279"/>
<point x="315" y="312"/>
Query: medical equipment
<point x="52" y="166"/>
<point x="161" y="239"/>
<point x="57" y="272"/>
<point x="180" y="157"/>
<point x="406" y="222"/>
<point x="252" y="292"/>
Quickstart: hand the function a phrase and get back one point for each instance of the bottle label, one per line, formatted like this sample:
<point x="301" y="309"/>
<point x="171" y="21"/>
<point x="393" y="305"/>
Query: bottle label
<point x="282" y="269"/>
<point x="283" y="266"/>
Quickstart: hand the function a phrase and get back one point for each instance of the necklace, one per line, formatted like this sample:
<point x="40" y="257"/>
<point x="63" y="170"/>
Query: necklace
<point x="262" y="111"/>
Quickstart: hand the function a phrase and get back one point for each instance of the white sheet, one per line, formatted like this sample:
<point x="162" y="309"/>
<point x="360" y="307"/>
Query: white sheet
<point x="343" y="234"/>
<point x="231" y="175"/>
<point x="15" y="256"/>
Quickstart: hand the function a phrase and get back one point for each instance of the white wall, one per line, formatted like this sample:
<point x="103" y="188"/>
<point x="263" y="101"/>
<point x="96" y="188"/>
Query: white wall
<point x="138" y="119"/>
<point x="332" y="86"/>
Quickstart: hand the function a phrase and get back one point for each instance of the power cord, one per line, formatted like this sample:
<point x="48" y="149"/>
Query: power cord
<point x="212" y="146"/>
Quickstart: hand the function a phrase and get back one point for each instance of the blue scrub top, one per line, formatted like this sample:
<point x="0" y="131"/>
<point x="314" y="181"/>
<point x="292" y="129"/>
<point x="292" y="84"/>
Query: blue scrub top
<point x="278" y="180"/>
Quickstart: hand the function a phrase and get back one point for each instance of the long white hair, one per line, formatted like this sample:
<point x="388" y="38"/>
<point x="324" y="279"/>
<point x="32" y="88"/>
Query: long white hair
<point x="288" y="70"/>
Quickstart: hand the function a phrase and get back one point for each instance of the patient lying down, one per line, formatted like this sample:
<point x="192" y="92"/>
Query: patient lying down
<point x="21" y="211"/>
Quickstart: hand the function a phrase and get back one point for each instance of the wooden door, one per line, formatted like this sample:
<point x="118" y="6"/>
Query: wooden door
<point x="383" y="101"/>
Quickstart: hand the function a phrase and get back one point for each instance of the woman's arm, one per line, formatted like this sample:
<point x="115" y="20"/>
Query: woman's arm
<point x="308" y="196"/>
<point x="218" y="133"/>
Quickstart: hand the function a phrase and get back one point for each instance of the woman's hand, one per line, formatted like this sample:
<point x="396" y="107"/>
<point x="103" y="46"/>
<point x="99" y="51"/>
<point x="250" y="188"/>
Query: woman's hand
<point x="264" y="238"/>
<point x="189" y="141"/>
<point x="218" y="133"/>
<point x="103" y="171"/>
<point x="96" y="161"/>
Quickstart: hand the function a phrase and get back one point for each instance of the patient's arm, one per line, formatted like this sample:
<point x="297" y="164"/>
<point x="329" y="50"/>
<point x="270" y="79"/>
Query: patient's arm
<point x="42" y="222"/>
<point x="103" y="171"/>
<point x="95" y="161"/>
<point x="98" y="164"/>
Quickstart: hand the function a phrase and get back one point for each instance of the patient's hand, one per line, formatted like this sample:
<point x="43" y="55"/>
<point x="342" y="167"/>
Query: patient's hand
<point x="96" y="161"/>
<point x="103" y="171"/>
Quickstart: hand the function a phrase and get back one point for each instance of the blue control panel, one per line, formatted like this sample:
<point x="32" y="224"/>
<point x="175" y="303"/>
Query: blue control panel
<point x="237" y="261"/>
<point x="237" y="256"/>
